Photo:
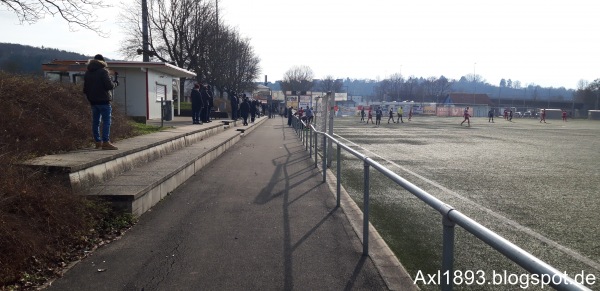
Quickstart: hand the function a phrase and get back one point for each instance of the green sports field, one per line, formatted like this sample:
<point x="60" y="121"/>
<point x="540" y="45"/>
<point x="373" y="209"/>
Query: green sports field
<point x="536" y="184"/>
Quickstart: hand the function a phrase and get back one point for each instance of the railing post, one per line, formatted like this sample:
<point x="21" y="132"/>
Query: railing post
<point x="366" y="210"/>
<point x="324" y="158"/>
<point x="448" y="253"/>
<point x="302" y="132"/>
<point x="310" y="145"/>
<point x="306" y="133"/>
<point x="339" y="174"/>
<point x="316" y="149"/>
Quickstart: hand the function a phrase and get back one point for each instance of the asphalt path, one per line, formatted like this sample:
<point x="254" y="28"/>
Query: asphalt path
<point x="257" y="218"/>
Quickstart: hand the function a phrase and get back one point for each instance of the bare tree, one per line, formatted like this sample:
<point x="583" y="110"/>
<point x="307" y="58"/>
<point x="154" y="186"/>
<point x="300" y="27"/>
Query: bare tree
<point x="238" y="66"/>
<point x="298" y="78"/>
<point x="396" y="82"/>
<point x="329" y="84"/>
<point x="582" y="84"/>
<point x="429" y="88"/>
<point x="179" y="30"/>
<point x="77" y="13"/>
<point x="442" y="85"/>
<point x="476" y="78"/>
<point x="186" y="33"/>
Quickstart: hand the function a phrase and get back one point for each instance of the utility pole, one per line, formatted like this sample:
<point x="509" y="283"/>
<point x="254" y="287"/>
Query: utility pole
<point x="145" y="44"/>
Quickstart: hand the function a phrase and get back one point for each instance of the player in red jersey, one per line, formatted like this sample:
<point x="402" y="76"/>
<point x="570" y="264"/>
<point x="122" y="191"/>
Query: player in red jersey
<point x="543" y="116"/>
<point x="467" y="117"/>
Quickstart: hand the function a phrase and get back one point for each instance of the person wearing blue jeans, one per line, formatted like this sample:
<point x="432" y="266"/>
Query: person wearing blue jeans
<point x="96" y="87"/>
<point x="101" y="113"/>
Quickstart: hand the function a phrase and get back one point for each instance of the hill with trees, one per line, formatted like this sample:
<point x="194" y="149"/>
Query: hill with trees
<point x="24" y="59"/>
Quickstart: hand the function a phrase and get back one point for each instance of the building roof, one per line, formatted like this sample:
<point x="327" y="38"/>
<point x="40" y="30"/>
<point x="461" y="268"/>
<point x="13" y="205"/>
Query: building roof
<point x="468" y="98"/>
<point x="166" y="68"/>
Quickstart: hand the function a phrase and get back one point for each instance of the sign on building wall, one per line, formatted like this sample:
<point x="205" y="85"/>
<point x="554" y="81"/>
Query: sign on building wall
<point x="452" y="111"/>
<point x="305" y="101"/>
<point x="292" y="101"/>
<point x="341" y="96"/>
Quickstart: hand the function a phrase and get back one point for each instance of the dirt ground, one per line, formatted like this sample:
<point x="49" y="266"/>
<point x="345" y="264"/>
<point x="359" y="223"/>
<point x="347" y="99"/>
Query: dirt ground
<point x="536" y="184"/>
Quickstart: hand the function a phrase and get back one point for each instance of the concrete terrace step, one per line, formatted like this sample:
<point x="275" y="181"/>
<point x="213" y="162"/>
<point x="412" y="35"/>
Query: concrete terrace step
<point x="145" y="168"/>
<point x="85" y="168"/>
<point x="139" y="189"/>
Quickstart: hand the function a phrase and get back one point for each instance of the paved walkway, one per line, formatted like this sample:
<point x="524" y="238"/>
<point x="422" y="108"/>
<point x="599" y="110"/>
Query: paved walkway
<point x="257" y="218"/>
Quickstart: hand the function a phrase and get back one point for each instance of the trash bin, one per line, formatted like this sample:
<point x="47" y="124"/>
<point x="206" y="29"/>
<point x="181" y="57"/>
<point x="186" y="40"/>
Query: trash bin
<point x="168" y="110"/>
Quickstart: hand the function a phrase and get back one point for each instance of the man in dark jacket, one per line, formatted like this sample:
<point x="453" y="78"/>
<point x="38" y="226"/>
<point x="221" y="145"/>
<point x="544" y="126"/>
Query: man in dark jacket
<point x="234" y="105"/>
<point x="196" y="104"/>
<point x="97" y="88"/>
<point x="245" y="109"/>
<point x="252" y="110"/>
<point x="205" y="103"/>
<point x="210" y="102"/>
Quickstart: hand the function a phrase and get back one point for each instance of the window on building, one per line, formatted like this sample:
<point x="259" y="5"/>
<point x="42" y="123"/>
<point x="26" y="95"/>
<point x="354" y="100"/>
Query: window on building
<point x="78" y="78"/>
<point x="62" y="77"/>
<point x="161" y="92"/>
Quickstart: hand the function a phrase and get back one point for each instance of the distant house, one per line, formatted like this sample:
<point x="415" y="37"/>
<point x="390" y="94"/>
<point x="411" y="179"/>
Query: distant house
<point x="143" y="86"/>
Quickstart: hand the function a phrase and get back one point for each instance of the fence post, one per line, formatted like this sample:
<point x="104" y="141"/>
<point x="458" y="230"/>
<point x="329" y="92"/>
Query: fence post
<point x="306" y="134"/>
<point x="310" y="142"/>
<point x="366" y="209"/>
<point x="316" y="148"/>
<point x="339" y="173"/>
<point x="324" y="158"/>
<point x="448" y="253"/>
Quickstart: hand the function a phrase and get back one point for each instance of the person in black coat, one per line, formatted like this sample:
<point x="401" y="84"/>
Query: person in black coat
<point x="234" y="105"/>
<point x="97" y="86"/>
<point x="244" y="110"/>
<point x="290" y="114"/>
<point x="205" y="104"/>
<point x="196" y="104"/>
<point x="210" y="102"/>
<point x="252" y="110"/>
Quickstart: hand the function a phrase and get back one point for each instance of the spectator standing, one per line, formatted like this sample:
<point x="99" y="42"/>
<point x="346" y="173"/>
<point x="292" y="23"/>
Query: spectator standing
<point x="245" y="110"/>
<point x="252" y="110"/>
<point x="491" y="116"/>
<point x="290" y="114"/>
<point x="205" y="103"/>
<point x="196" y="104"/>
<point x="96" y="87"/>
<point x="209" y="91"/>
<point x="410" y="113"/>
<point x="234" y="105"/>
<point x="564" y="115"/>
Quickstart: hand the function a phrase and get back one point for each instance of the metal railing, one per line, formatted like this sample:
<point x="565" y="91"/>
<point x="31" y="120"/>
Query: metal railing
<point x="450" y="216"/>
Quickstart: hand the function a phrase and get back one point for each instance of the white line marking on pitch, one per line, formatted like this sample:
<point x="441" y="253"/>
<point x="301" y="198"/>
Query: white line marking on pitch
<point x="507" y="220"/>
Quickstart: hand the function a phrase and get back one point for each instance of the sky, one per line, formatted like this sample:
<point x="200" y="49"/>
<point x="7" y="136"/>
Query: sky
<point x="546" y="43"/>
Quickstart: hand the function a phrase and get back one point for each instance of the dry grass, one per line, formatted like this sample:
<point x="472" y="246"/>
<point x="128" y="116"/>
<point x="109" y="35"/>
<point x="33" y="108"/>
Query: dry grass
<point x="42" y="225"/>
